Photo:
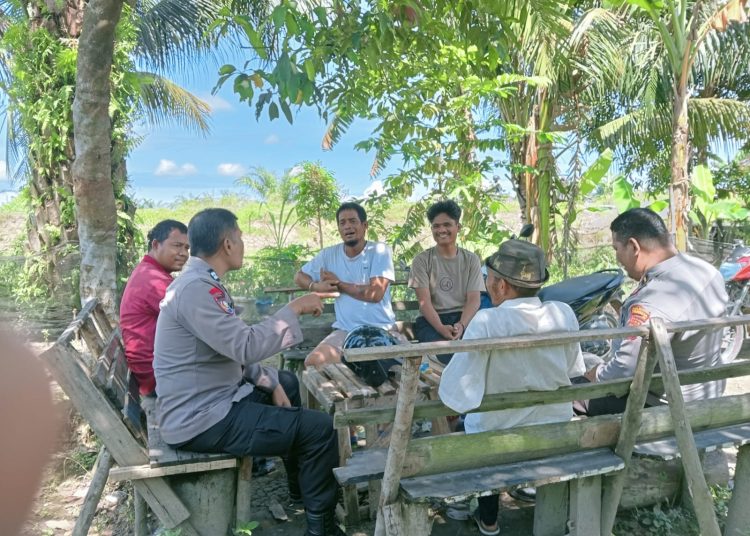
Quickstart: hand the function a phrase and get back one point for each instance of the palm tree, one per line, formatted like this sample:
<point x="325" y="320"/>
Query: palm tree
<point x="677" y="87"/>
<point x="157" y="34"/>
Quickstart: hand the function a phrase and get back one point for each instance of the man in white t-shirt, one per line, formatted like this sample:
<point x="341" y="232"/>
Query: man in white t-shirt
<point x="361" y="271"/>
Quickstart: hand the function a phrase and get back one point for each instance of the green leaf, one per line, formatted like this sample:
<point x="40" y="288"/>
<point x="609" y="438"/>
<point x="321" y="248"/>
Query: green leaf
<point x="624" y="196"/>
<point x="252" y="35"/>
<point x="227" y="69"/>
<point x="273" y="111"/>
<point x="310" y="69"/>
<point x="287" y="111"/>
<point x="659" y="205"/>
<point x="596" y="172"/>
<point x="278" y="16"/>
<point x="703" y="183"/>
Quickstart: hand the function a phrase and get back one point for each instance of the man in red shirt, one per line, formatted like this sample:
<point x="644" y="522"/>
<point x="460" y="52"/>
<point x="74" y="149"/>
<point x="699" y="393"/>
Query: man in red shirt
<point x="168" y="251"/>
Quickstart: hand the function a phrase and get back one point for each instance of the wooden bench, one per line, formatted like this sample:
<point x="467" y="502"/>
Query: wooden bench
<point x="577" y="479"/>
<point x="96" y="378"/>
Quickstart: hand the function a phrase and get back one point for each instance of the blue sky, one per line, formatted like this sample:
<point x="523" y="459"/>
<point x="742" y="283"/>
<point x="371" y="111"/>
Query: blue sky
<point x="172" y="162"/>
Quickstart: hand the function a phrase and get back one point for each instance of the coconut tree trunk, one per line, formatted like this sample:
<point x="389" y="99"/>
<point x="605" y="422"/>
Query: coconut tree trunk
<point x="92" y="169"/>
<point x="679" y="188"/>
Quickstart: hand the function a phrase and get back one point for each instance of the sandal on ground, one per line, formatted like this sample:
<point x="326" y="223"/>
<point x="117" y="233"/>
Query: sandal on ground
<point x="458" y="511"/>
<point x="484" y="529"/>
<point x="523" y="494"/>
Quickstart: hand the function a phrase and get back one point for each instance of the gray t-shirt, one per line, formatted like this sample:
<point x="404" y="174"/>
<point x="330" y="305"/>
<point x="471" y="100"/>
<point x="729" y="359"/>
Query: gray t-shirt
<point x="449" y="280"/>
<point x="201" y="348"/>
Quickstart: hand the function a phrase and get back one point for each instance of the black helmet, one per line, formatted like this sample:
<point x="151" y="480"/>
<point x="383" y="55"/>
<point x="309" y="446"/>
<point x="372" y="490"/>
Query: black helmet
<point x="373" y="373"/>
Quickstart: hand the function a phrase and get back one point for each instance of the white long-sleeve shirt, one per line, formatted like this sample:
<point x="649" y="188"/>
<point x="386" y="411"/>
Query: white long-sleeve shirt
<point x="471" y="375"/>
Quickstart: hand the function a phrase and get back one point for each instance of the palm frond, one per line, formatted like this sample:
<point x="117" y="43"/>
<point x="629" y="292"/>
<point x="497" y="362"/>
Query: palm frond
<point x="163" y="102"/>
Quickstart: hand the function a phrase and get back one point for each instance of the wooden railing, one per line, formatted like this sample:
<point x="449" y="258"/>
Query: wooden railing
<point x="656" y="348"/>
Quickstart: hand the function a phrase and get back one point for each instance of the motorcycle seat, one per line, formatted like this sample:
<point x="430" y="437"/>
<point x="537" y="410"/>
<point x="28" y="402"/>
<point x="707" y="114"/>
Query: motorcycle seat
<point x="575" y="288"/>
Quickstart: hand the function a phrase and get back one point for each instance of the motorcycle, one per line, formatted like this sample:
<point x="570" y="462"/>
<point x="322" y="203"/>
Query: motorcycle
<point x="589" y="296"/>
<point x="736" y="272"/>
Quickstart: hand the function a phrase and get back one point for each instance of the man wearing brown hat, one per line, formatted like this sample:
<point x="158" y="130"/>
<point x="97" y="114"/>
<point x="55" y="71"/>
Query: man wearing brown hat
<point x="515" y="273"/>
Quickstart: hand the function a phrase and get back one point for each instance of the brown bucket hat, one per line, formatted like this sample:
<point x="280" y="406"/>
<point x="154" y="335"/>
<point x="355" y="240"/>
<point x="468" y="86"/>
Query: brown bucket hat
<point x="520" y="263"/>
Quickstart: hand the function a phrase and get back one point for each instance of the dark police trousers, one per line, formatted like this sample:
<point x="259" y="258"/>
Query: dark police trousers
<point x="304" y="438"/>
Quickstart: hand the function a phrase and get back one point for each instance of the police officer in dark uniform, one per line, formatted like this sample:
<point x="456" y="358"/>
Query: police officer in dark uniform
<point x="213" y="393"/>
<point x="671" y="286"/>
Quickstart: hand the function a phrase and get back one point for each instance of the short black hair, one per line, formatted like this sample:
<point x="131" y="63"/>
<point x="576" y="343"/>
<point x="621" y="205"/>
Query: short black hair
<point x="524" y="292"/>
<point x="448" y="207"/>
<point x="350" y="205"/>
<point x="208" y="228"/>
<point x="641" y="224"/>
<point x="161" y="231"/>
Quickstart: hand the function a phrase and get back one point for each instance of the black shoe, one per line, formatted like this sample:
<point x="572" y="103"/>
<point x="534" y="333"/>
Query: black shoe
<point x="523" y="494"/>
<point x="323" y="524"/>
<point x="263" y="466"/>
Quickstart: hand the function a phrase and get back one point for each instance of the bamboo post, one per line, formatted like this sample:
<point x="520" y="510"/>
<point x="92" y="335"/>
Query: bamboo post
<point x="631" y="423"/>
<point x="696" y="481"/>
<point x="99" y="480"/>
<point x="400" y="436"/>
<point x="243" y="505"/>
<point x="738" y="516"/>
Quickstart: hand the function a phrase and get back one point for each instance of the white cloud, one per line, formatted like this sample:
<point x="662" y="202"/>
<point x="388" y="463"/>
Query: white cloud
<point x="376" y="188"/>
<point x="231" y="170"/>
<point x="3" y="171"/>
<point x="216" y="103"/>
<point x="170" y="168"/>
<point x="272" y="139"/>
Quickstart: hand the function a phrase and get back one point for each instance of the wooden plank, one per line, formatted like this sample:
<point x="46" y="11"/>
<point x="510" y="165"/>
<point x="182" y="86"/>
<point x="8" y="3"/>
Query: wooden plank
<point x="160" y="454"/>
<point x="400" y="436"/>
<point x="70" y="332"/>
<point x="104" y="360"/>
<point x="93" y="406"/>
<point x="367" y="391"/>
<point x="351" y="386"/>
<point x="586" y="506"/>
<point x="90" y="335"/>
<point x="139" y="472"/>
<point x="706" y="441"/>
<point x="696" y="481"/>
<point x="462" y="485"/>
<point x="532" y="341"/>
<point x="631" y="422"/>
<point x="132" y="412"/>
<point x="455" y="452"/>
<point x="91" y="501"/>
<point x="432" y="409"/>
<point x="322" y="389"/>
<point x="738" y="515"/>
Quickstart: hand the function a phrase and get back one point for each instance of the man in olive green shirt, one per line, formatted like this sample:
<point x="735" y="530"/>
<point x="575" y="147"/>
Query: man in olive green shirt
<point x="447" y="280"/>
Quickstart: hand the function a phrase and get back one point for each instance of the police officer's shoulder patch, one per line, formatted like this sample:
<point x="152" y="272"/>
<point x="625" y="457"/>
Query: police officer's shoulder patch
<point x="221" y="300"/>
<point x="637" y="315"/>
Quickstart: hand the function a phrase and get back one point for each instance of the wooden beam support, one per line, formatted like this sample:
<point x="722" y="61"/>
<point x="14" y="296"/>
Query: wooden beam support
<point x="88" y="510"/>
<point x="400" y="436"/>
<point x="631" y="423"/>
<point x="696" y="481"/>
<point x="139" y="472"/>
